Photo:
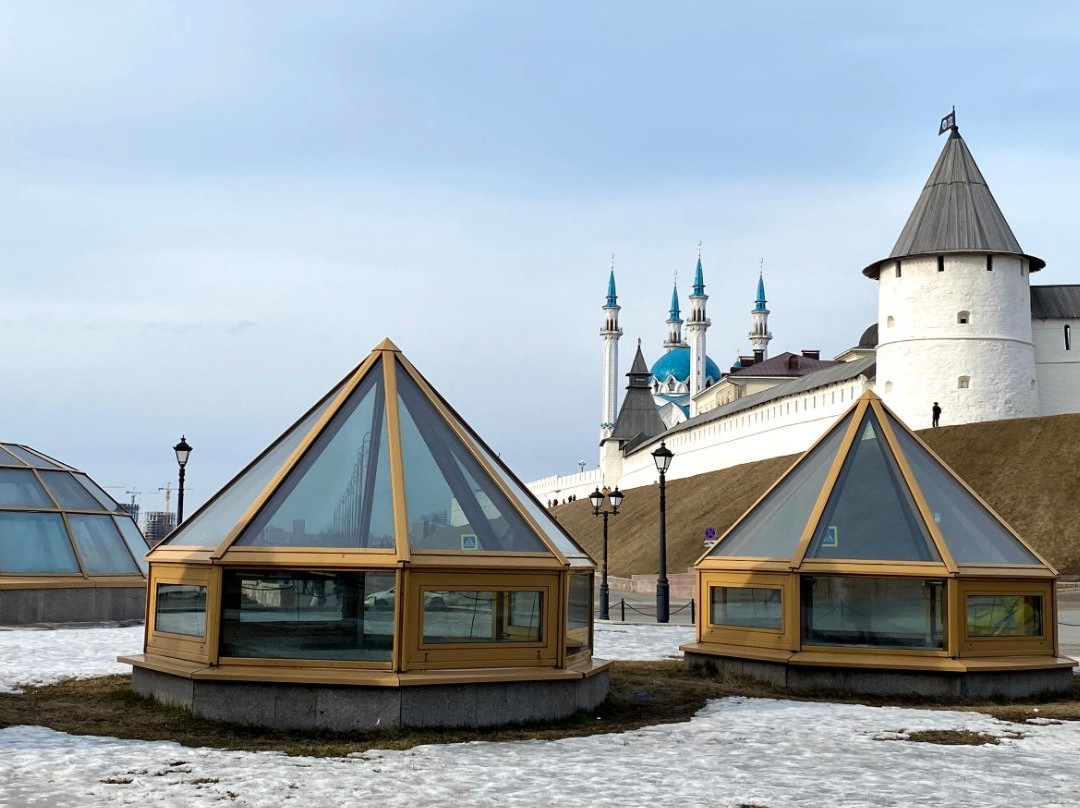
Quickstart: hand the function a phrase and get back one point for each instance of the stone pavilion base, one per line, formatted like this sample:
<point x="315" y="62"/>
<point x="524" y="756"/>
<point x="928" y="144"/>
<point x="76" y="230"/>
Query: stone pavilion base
<point x="91" y="604"/>
<point x="337" y="708"/>
<point x="1012" y="684"/>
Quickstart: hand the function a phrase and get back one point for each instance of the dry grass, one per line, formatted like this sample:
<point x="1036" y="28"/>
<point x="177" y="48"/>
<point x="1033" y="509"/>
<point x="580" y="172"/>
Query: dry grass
<point x="954" y="737"/>
<point x="1025" y="469"/>
<point x="642" y="694"/>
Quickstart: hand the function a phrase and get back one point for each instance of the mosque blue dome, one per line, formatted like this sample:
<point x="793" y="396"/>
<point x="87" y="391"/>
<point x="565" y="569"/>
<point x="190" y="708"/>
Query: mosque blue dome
<point x="676" y="362"/>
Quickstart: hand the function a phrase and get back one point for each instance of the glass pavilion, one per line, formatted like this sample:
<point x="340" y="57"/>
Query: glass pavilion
<point x="871" y="553"/>
<point x="68" y="551"/>
<point x="378" y="542"/>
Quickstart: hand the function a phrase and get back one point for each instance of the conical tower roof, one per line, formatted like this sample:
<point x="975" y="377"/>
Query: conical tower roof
<point x="638" y="418"/>
<point x="380" y="468"/>
<point x="955" y="213"/>
<point x="868" y="494"/>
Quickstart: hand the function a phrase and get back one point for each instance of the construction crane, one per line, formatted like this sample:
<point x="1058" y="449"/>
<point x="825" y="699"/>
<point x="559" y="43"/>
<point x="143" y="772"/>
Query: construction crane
<point x="167" y="488"/>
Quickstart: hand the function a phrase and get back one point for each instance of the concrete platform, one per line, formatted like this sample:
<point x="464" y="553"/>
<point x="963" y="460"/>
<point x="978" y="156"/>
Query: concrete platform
<point x="360" y="709"/>
<point x="1011" y="684"/>
<point x="20" y="607"/>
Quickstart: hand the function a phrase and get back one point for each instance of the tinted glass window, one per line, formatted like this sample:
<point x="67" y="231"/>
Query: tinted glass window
<point x="181" y="609"/>
<point x="579" y="615"/>
<point x="101" y="547"/>
<point x="35" y="543"/>
<point x="746" y="607"/>
<point x="878" y="612"/>
<point x="286" y="614"/>
<point x="68" y="492"/>
<point x="456" y="617"/>
<point x="19" y="487"/>
<point x="134" y="540"/>
<point x="1004" y="615"/>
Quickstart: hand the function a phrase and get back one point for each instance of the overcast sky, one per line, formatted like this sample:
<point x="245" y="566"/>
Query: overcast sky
<point x="210" y="211"/>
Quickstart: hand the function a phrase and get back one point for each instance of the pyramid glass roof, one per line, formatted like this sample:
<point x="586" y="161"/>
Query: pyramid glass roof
<point x="381" y="464"/>
<point x="870" y="490"/>
<point x="56" y="521"/>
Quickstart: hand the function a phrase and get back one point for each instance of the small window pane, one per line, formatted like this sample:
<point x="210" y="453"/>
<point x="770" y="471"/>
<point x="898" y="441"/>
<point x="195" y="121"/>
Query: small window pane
<point x="35" y="543"/>
<point x="457" y="616"/>
<point x="68" y="492"/>
<point x="579" y="614"/>
<point x="181" y="609"/>
<point x="20" y="488"/>
<point x="29" y="457"/>
<point x="8" y="459"/>
<point x="211" y="524"/>
<point x="874" y="612"/>
<point x="96" y="491"/>
<point x="773" y="528"/>
<point x="452" y="503"/>
<point x="101" y="547"/>
<point x="871" y="514"/>
<point x="746" y="607"/>
<point x="133" y="538"/>
<point x="971" y="532"/>
<point x="271" y="614"/>
<point x="1004" y="615"/>
<point x="338" y="495"/>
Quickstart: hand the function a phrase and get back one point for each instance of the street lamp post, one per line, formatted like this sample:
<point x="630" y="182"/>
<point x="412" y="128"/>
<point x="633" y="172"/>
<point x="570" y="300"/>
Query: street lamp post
<point x="183" y="452"/>
<point x="597" y="499"/>
<point x="662" y="458"/>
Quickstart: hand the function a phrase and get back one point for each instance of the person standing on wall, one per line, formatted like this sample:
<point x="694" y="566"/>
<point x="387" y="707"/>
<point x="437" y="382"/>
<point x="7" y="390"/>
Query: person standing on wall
<point x="936" y="411"/>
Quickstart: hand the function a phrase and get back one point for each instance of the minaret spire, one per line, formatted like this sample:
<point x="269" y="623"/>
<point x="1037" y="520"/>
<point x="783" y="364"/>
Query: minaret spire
<point x="696" y="326"/>
<point x="609" y="335"/>
<point x="674" y="322"/>
<point x="759" y="328"/>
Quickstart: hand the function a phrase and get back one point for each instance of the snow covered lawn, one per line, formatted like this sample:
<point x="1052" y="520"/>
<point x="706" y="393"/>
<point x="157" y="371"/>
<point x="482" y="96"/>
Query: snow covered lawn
<point x="736" y="750"/>
<point x="639" y="642"/>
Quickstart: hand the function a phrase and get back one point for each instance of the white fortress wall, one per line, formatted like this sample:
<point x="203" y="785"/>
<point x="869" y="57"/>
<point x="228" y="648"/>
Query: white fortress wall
<point x="1056" y="366"/>
<point x="562" y="486"/>
<point x="961" y="337"/>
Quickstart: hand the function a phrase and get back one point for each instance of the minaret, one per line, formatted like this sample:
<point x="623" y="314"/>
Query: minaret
<point x="609" y="334"/>
<point x="759" y="331"/>
<point x="695" y="332"/>
<point x="674" y="324"/>
<point x="954" y="303"/>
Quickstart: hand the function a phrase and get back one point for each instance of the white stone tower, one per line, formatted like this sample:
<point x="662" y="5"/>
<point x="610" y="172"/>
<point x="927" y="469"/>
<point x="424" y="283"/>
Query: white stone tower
<point x="954" y="304"/>
<point x="759" y="329"/>
<point x="696" y="325"/>
<point x="609" y="334"/>
<point x="674" y="323"/>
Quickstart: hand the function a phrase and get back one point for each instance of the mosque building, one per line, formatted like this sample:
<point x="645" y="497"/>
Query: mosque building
<point x="958" y="323"/>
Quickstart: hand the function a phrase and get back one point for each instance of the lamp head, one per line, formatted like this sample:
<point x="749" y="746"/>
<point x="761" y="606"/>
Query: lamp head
<point x="597" y="499"/>
<point x="662" y="458"/>
<point x="183" y="451"/>
<point x="616" y="498"/>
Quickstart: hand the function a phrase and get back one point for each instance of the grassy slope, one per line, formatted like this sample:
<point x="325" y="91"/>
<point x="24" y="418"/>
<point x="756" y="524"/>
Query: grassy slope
<point x="1028" y="470"/>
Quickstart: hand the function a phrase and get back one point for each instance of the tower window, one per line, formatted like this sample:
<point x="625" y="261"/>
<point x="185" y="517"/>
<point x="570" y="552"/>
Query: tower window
<point x="889" y="321"/>
<point x="963" y="383"/>
<point x="898" y="269"/>
<point x="989" y="263"/>
<point x="888" y="387"/>
<point x="963" y="317"/>
<point x="941" y="263"/>
<point x="1068" y="337"/>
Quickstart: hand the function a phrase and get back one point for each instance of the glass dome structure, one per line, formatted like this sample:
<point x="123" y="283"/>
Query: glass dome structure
<point x="871" y="554"/>
<point x="377" y="543"/>
<point x="68" y="551"/>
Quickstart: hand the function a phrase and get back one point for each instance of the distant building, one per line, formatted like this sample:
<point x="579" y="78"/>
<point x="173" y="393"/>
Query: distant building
<point x="158" y="525"/>
<point x="130" y="508"/>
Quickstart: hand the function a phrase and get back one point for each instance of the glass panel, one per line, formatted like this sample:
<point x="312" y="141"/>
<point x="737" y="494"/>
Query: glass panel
<point x="579" y="615"/>
<point x="524" y="497"/>
<point x="338" y="495"/>
<point x="1004" y="615"/>
<point x="101" y="547"/>
<point x="35" y="543"/>
<point x="98" y="493"/>
<point x="20" y="488"/>
<point x="68" y="492"/>
<point x="452" y="503"/>
<point x="288" y="614"/>
<point x="133" y="538"/>
<point x="181" y="609"/>
<point x="31" y="459"/>
<point x="876" y="612"/>
<point x="746" y="607"/>
<point x="455" y="616"/>
<point x="210" y="525"/>
<point x="8" y="459"/>
<point x="870" y="514"/>
<point x="773" y="528"/>
<point x="971" y="532"/>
